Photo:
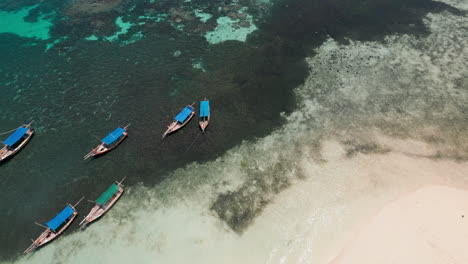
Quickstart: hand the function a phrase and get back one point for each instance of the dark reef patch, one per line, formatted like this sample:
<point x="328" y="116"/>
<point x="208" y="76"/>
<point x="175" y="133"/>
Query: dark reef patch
<point x="293" y="30"/>
<point x="240" y="207"/>
<point x="352" y="148"/>
<point x="310" y="21"/>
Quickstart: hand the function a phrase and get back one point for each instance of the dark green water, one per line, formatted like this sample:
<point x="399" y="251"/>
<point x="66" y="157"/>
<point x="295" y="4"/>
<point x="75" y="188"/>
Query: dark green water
<point x="80" y="89"/>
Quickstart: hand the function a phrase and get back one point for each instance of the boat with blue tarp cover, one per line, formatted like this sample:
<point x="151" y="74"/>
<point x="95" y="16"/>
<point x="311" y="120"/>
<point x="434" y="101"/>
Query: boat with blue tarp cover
<point x="204" y="114"/>
<point x="104" y="202"/>
<point x="109" y="142"/>
<point x="16" y="141"/>
<point x="55" y="227"/>
<point x="180" y="120"/>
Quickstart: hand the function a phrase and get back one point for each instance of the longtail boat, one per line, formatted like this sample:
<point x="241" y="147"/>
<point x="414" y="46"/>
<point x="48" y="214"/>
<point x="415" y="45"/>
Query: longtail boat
<point x="16" y="141"/>
<point x="204" y="114"/>
<point x="108" y="143"/>
<point x="55" y="227"/>
<point x="104" y="202"/>
<point x="180" y="120"/>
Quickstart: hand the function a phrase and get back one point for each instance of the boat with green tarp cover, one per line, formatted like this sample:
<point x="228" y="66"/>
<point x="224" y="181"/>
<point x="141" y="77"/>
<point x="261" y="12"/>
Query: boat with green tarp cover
<point x="109" y="142"/>
<point x="104" y="202"/>
<point x="55" y="227"/>
<point x="16" y="141"/>
<point x="204" y="114"/>
<point x="180" y="120"/>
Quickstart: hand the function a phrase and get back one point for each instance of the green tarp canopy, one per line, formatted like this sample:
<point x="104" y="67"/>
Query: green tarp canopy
<point x="104" y="198"/>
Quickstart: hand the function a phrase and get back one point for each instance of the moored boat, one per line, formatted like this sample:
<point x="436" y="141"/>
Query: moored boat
<point x="16" y="141"/>
<point x="204" y="114"/>
<point x="108" y="143"/>
<point x="55" y="227"/>
<point x="180" y="120"/>
<point x="104" y="202"/>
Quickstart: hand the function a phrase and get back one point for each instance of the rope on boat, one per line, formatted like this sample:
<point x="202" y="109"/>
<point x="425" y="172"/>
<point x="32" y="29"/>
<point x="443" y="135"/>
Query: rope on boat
<point x="15" y="129"/>
<point x="79" y="201"/>
<point x="8" y="132"/>
<point x="192" y="143"/>
<point x="122" y="180"/>
<point x="89" y="155"/>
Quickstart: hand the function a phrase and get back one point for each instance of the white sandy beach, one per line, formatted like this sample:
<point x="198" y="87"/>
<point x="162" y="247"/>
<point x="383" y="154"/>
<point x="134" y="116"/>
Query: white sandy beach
<point x="427" y="226"/>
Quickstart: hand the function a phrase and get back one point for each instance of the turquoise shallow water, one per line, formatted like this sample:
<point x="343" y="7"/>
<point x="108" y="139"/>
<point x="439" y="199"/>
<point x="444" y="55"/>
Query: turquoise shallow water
<point x="13" y="22"/>
<point x="80" y="73"/>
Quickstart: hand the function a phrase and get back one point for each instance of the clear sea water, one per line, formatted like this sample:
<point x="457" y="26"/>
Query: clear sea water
<point x="283" y="78"/>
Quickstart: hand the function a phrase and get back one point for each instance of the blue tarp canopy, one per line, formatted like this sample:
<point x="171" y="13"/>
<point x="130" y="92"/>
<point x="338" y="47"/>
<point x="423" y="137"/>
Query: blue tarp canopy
<point x="184" y="114"/>
<point x="113" y="136"/>
<point x="16" y="136"/>
<point x="60" y="218"/>
<point x="204" y="108"/>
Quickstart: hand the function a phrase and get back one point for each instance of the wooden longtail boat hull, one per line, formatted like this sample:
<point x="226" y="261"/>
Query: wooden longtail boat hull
<point x="204" y="118"/>
<point x="174" y="126"/>
<point x="48" y="236"/>
<point x="97" y="211"/>
<point x="103" y="148"/>
<point x="204" y="124"/>
<point x="6" y="153"/>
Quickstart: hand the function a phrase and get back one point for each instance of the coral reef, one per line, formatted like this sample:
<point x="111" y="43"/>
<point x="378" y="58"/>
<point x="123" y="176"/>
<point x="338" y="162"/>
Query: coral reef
<point x="89" y="7"/>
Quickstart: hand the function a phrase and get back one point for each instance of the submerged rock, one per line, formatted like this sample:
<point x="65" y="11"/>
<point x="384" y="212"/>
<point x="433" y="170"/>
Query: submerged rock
<point x="244" y="24"/>
<point x="178" y="15"/>
<point x="242" y="16"/>
<point x="232" y="15"/>
<point x="86" y="7"/>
